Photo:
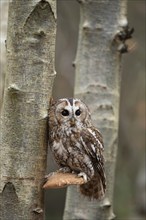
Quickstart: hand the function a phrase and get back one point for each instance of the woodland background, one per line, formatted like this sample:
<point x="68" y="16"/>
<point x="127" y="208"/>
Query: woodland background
<point x="130" y="185"/>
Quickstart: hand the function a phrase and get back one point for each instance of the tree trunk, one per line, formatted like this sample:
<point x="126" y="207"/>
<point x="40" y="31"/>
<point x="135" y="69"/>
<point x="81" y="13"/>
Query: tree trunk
<point x="98" y="84"/>
<point x="28" y="87"/>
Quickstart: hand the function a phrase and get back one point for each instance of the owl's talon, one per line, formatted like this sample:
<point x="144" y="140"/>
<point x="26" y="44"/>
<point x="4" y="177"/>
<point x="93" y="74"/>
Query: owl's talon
<point x="64" y="170"/>
<point x="46" y="177"/>
<point x="84" y="175"/>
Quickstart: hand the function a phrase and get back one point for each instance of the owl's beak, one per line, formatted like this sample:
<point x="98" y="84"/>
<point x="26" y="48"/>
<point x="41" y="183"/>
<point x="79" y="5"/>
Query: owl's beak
<point x="72" y="122"/>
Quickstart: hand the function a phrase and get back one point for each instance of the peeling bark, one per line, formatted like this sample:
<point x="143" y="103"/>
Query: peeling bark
<point x="98" y="84"/>
<point x="28" y="87"/>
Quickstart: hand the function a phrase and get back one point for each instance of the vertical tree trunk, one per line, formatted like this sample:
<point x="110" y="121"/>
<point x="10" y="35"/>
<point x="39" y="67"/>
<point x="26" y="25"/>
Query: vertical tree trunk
<point x="28" y="87"/>
<point x="98" y="84"/>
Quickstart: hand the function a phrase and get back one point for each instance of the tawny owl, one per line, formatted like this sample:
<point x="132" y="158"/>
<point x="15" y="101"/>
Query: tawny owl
<point x="77" y="145"/>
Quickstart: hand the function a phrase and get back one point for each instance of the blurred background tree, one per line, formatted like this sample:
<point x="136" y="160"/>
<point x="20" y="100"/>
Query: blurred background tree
<point x="130" y="195"/>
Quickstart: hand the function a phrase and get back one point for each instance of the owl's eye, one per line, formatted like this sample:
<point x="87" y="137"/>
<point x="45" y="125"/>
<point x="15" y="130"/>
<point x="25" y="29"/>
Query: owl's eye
<point x="65" y="112"/>
<point x="78" y="112"/>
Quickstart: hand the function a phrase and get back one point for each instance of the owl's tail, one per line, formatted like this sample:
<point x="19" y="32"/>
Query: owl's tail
<point x="94" y="189"/>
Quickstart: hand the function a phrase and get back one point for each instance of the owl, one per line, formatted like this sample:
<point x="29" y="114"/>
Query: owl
<point x="77" y="145"/>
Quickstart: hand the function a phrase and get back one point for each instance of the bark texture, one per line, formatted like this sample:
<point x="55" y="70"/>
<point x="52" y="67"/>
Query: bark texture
<point x="28" y="87"/>
<point x="98" y="84"/>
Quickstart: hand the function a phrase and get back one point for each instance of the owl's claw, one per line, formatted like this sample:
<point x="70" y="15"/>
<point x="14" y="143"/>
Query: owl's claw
<point x="84" y="175"/>
<point x="46" y="177"/>
<point x="64" y="170"/>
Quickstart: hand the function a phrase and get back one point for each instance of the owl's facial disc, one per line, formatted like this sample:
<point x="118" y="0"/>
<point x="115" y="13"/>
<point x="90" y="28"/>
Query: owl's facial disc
<point x="71" y="111"/>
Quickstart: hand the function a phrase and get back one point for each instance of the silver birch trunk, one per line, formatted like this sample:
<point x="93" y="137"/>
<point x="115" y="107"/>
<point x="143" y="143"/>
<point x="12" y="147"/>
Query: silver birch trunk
<point x="28" y="87"/>
<point x="98" y="84"/>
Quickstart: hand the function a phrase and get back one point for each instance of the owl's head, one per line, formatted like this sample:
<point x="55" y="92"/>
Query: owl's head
<point x="69" y="111"/>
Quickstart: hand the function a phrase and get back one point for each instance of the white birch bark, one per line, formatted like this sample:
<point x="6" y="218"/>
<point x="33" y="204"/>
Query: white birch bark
<point x="28" y="87"/>
<point x="98" y="84"/>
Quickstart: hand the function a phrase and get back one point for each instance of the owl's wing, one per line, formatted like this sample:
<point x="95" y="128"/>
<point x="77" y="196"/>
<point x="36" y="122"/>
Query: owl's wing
<point x="93" y="146"/>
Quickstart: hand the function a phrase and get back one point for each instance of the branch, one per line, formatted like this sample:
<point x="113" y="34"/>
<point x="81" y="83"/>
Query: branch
<point x="60" y="180"/>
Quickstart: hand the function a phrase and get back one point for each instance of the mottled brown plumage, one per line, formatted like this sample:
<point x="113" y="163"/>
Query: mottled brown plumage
<point x="77" y="145"/>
